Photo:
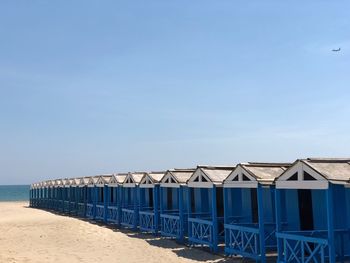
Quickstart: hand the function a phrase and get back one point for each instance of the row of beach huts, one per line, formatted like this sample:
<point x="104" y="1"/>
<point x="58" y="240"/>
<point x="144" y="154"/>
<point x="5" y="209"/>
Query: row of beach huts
<point x="295" y="212"/>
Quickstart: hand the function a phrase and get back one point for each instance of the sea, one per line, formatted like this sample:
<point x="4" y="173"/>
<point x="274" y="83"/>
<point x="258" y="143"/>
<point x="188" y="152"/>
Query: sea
<point x="14" y="193"/>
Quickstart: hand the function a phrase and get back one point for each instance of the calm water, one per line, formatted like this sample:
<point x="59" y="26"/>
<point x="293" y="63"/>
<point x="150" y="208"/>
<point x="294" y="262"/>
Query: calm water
<point x="14" y="193"/>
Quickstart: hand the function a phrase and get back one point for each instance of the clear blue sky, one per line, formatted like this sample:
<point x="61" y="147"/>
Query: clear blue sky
<point x="91" y="87"/>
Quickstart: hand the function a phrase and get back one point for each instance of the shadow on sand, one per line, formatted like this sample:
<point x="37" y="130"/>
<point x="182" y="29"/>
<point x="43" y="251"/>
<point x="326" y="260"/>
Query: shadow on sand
<point x="192" y="253"/>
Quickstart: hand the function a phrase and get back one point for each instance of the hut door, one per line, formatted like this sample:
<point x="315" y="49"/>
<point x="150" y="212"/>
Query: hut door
<point x="219" y="201"/>
<point x="254" y="204"/>
<point x="306" y="217"/>
<point x="150" y="196"/>
<point x="169" y="198"/>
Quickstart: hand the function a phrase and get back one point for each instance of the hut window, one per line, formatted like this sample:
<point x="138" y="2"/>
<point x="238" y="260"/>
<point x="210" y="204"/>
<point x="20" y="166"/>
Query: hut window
<point x="245" y="178"/>
<point x="172" y="180"/>
<point x="254" y="204"/>
<point x="169" y="198"/>
<point x="196" y="179"/>
<point x="308" y="177"/>
<point x="294" y="177"/>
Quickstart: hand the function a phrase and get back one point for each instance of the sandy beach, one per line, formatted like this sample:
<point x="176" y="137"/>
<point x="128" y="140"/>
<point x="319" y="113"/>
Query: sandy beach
<point x="33" y="235"/>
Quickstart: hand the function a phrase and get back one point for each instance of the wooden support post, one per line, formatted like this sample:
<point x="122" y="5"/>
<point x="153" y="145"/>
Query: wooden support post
<point x="278" y="223"/>
<point x="261" y="223"/>
<point x="181" y="214"/>
<point x="330" y="222"/>
<point x="137" y="199"/>
<point x="215" y="234"/>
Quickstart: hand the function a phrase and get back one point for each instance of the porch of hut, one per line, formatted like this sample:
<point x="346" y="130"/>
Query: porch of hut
<point x="206" y="206"/>
<point x="130" y="200"/>
<point x="174" y="203"/>
<point x="114" y="199"/>
<point x="91" y="197"/>
<point x="313" y="211"/>
<point x="82" y="196"/>
<point x="249" y="206"/>
<point x="149" y="202"/>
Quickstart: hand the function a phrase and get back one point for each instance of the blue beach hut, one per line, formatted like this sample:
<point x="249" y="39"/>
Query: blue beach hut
<point x="150" y="202"/>
<point x="130" y="200"/>
<point x="249" y="205"/>
<point x="50" y="185"/>
<point x="114" y="198"/>
<point x="206" y="206"/>
<point x="313" y="212"/>
<point x="59" y="195"/>
<point x="66" y="195"/>
<point x="91" y="197"/>
<point x="82" y="198"/>
<point x="35" y="195"/>
<point x="174" y="203"/>
<point x="73" y="201"/>
<point x="102" y="200"/>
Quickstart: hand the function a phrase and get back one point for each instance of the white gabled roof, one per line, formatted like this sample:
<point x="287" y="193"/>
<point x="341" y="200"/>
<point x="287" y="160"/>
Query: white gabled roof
<point x="92" y="180"/>
<point x="207" y="176"/>
<point x="117" y="179"/>
<point x="176" y="177"/>
<point x="250" y="174"/>
<point x="133" y="179"/>
<point x="84" y="181"/>
<point x="315" y="173"/>
<point x="103" y="179"/>
<point x="152" y="178"/>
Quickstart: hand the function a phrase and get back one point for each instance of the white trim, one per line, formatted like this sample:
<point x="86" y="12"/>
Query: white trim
<point x="129" y="185"/>
<point x="241" y="184"/>
<point x="201" y="184"/>
<point x="172" y="185"/>
<point x="146" y="185"/>
<point x="302" y="184"/>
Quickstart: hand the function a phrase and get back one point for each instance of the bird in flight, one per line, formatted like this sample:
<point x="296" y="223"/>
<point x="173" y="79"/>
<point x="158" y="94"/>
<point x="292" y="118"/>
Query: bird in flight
<point x="336" y="50"/>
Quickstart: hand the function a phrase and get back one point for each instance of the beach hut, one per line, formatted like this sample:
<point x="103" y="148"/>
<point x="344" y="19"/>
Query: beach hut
<point x="49" y="194"/>
<point x="130" y="200"/>
<point x="82" y="196"/>
<point x="174" y="204"/>
<point x="149" y="213"/>
<point x="33" y="195"/>
<point x="206" y="206"/>
<point x="114" y="198"/>
<point x="313" y="212"/>
<point x="66" y="195"/>
<point x="249" y="208"/>
<point x="91" y="197"/>
<point x="40" y="194"/>
<point x="102" y="193"/>
<point x="73" y="201"/>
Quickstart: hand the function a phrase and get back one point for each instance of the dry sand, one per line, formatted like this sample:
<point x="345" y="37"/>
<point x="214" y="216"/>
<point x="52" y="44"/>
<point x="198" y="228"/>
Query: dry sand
<point x="33" y="235"/>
